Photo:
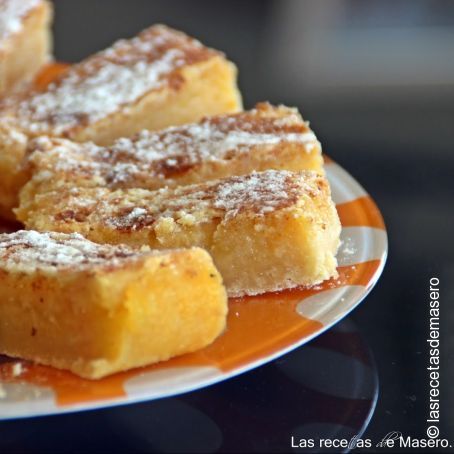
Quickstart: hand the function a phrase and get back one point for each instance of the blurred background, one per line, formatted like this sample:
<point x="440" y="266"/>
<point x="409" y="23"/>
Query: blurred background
<point x="376" y="80"/>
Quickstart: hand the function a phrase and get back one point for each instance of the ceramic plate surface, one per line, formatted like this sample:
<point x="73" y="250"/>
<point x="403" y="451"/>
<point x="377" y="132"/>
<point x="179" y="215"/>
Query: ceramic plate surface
<point x="259" y="329"/>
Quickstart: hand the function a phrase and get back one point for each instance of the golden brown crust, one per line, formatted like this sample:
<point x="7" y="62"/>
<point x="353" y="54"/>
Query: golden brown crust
<point x="256" y="194"/>
<point x="225" y="145"/>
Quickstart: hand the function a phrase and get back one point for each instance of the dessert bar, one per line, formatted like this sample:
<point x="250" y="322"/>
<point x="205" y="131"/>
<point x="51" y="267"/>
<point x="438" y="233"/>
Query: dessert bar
<point x="99" y="309"/>
<point x="266" y="231"/>
<point x="265" y="137"/>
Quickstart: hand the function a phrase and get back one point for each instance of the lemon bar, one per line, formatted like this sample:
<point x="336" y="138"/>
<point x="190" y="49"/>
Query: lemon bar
<point x="266" y="137"/>
<point x="25" y="41"/>
<point x="98" y="309"/>
<point x="160" y="78"/>
<point x="266" y="231"/>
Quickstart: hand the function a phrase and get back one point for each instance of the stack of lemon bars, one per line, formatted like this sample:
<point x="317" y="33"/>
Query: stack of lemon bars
<point x="148" y="196"/>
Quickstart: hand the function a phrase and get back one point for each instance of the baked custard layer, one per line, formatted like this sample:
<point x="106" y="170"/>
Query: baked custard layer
<point x="265" y="137"/>
<point x="266" y="231"/>
<point x="98" y="309"/>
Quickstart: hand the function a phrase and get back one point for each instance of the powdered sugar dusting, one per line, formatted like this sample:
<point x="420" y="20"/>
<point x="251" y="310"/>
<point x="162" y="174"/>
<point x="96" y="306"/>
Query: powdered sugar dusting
<point x="347" y="247"/>
<point x="27" y="251"/>
<point x="258" y="194"/>
<point x="12" y="13"/>
<point x="175" y="150"/>
<point x="116" y="77"/>
<point x="262" y="192"/>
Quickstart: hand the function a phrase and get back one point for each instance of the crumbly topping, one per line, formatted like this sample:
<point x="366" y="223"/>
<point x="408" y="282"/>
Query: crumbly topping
<point x="27" y="251"/>
<point x="175" y="150"/>
<point x="133" y="209"/>
<point x="12" y="13"/>
<point x="113" y="78"/>
<point x="259" y="192"/>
